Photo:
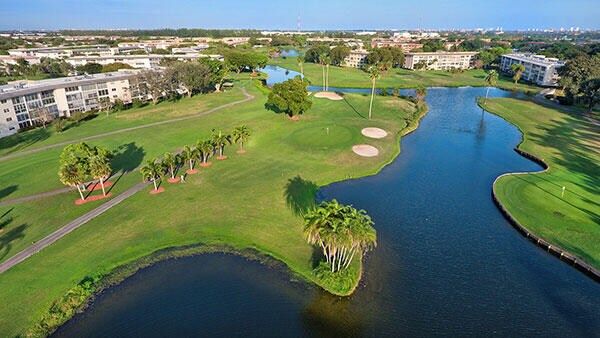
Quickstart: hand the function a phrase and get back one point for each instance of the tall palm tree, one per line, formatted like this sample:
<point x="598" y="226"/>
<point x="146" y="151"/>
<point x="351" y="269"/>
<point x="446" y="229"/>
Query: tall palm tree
<point x="322" y="62"/>
<point x="220" y="139"/>
<point x="152" y="171"/>
<point x="301" y="60"/>
<point x="99" y="165"/>
<point x="374" y="74"/>
<point x="171" y="162"/>
<point x="240" y="135"/>
<point x="327" y="63"/>
<point x="518" y="70"/>
<point x="206" y="147"/>
<point x="189" y="154"/>
<point x="491" y="79"/>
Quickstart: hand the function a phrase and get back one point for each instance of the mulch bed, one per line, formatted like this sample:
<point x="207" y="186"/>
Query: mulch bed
<point x="98" y="186"/>
<point x="207" y="164"/>
<point x="295" y="118"/>
<point x="241" y="151"/>
<point x="191" y="171"/>
<point x="157" y="191"/>
<point x="221" y="157"/>
<point x="174" y="180"/>
<point x="92" y="198"/>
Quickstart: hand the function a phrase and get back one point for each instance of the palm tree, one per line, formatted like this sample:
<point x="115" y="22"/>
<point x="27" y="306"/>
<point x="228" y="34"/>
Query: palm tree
<point x="301" y="60"/>
<point x="374" y="74"/>
<point x="170" y="162"/>
<point x="518" y="70"/>
<point x="240" y="135"/>
<point x="220" y="139"/>
<point x="152" y="171"/>
<point x="189" y="154"/>
<point x="490" y="79"/>
<point x="421" y="92"/>
<point x="99" y="165"/>
<point x="206" y="147"/>
<point x="327" y="62"/>
<point x="322" y="62"/>
<point x="341" y="232"/>
<point x="73" y="174"/>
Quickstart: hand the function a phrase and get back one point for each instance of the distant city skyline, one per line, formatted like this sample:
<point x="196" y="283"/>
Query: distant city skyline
<point x="314" y="15"/>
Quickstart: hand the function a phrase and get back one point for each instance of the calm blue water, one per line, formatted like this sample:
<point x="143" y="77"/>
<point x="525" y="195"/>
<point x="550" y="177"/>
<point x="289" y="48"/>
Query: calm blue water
<point x="447" y="262"/>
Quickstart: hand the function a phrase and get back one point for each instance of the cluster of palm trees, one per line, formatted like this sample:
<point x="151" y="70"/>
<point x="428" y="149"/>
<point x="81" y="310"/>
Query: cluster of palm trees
<point x="79" y="163"/>
<point x="341" y="232"/>
<point x="155" y="169"/>
<point x="325" y="61"/>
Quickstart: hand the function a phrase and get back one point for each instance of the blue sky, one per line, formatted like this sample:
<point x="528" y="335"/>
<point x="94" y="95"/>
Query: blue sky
<point x="282" y="14"/>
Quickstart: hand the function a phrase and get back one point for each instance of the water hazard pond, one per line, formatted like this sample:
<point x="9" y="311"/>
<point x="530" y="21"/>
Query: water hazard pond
<point x="447" y="262"/>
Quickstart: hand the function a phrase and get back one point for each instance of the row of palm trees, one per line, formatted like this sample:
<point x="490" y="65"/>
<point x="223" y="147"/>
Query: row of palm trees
<point x="341" y="231"/>
<point x="79" y="163"/>
<point x="200" y="152"/>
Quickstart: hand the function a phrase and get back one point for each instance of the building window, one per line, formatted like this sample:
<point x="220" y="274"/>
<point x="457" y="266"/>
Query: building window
<point x="8" y="119"/>
<point x="6" y="110"/>
<point x="2" y="101"/>
<point x="71" y="89"/>
<point x="11" y="128"/>
<point x="31" y="97"/>
<point x="103" y="92"/>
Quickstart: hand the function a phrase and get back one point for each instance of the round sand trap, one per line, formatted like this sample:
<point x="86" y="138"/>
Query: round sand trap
<point x="328" y="95"/>
<point x="374" y="132"/>
<point x="365" y="150"/>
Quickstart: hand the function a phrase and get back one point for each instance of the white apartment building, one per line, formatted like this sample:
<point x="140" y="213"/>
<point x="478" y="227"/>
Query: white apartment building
<point x="61" y="97"/>
<point x="356" y="58"/>
<point x="539" y="69"/>
<point x="440" y="60"/>
<point x="137" y="61"/>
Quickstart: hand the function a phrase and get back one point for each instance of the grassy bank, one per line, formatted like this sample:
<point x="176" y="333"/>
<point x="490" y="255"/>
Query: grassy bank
<point x="397" y="77"/>
<point x="247" y="201"/>
<point x="570" y="145"/>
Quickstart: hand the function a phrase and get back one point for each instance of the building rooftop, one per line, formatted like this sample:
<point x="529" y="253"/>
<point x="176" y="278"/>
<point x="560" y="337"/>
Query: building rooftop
<point x="24" y="87"/>
<point x="535" y="59"/>
<point x="441" y="52"/>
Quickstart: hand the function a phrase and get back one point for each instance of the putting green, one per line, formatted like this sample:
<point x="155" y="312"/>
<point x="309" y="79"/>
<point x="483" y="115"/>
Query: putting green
<point x="321" y="136"/>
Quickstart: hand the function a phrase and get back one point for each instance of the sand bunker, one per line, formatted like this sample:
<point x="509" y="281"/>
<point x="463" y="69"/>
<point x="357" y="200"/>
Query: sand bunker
<point x="329" y="95"/>
<point x="365" y="150"/>
<point x="374" y="132"/>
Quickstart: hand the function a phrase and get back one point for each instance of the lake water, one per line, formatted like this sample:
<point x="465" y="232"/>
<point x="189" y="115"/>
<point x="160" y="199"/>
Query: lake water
<point x="447" y="262"/>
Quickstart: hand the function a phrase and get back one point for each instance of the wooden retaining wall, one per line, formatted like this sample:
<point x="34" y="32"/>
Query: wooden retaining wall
<point x="563" y="255"/>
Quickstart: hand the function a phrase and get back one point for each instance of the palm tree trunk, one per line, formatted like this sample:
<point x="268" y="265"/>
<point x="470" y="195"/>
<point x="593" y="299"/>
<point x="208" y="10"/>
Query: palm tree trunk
<point x="323" y="77"/>
<point x="241" y="145"/>
<point x="102" y="184"/>
<point x="173" y="172"/>
<point x="80" y="192"/>
<point x="221" y="151"/>
<point x="204" y="158"/>
<point x="327" y="79"/>
<point x="154" y="181"/>
<point x="371" y="103"/>
<point x="486" y="95"/>
<point x="191" y="167"/>
<point x="301" y="69"/>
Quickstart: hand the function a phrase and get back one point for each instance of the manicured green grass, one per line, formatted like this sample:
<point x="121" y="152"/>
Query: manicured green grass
<point x="396" y="78"/>
<point x="570" y="145"/>
<point x="119" y="120"/>
<point x="246" y="201"/>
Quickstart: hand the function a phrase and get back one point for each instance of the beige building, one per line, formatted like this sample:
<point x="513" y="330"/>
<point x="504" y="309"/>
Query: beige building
<point x="440" y="60"/>
<point x="356" y="58"/>
<point x="539" y="69"/>
<point x="20" y="100"/>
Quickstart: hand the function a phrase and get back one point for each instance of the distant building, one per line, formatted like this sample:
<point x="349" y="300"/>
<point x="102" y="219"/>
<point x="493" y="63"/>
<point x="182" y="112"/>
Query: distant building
<point x="440" y="60"/>
<point x="405" y="46"/>
<point x="137" y="61"/>
<point x="356" y="58"/>
<point x="539" y="69"/>
<point x="60" y="97"/>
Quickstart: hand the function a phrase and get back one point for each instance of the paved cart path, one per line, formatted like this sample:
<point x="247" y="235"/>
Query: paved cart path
<point x="60" y="233"/>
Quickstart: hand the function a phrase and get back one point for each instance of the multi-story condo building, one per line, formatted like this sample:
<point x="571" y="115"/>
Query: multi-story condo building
<point x="136" y="61"/>
<point x="539" y="69"/>
<point x="68" y="51"/>
<point x="440" y="60"/>
<point x="405" y="46"/>
<point x="20" y="101"/>
<point x="356" y="58"/>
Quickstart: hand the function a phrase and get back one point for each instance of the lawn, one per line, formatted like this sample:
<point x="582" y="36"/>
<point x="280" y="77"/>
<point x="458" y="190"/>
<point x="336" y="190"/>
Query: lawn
<point x="103" y="123"/>
<point x="247" y="201"/>
<point x="570" y="145"/>
<point x="397" y="77"/>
